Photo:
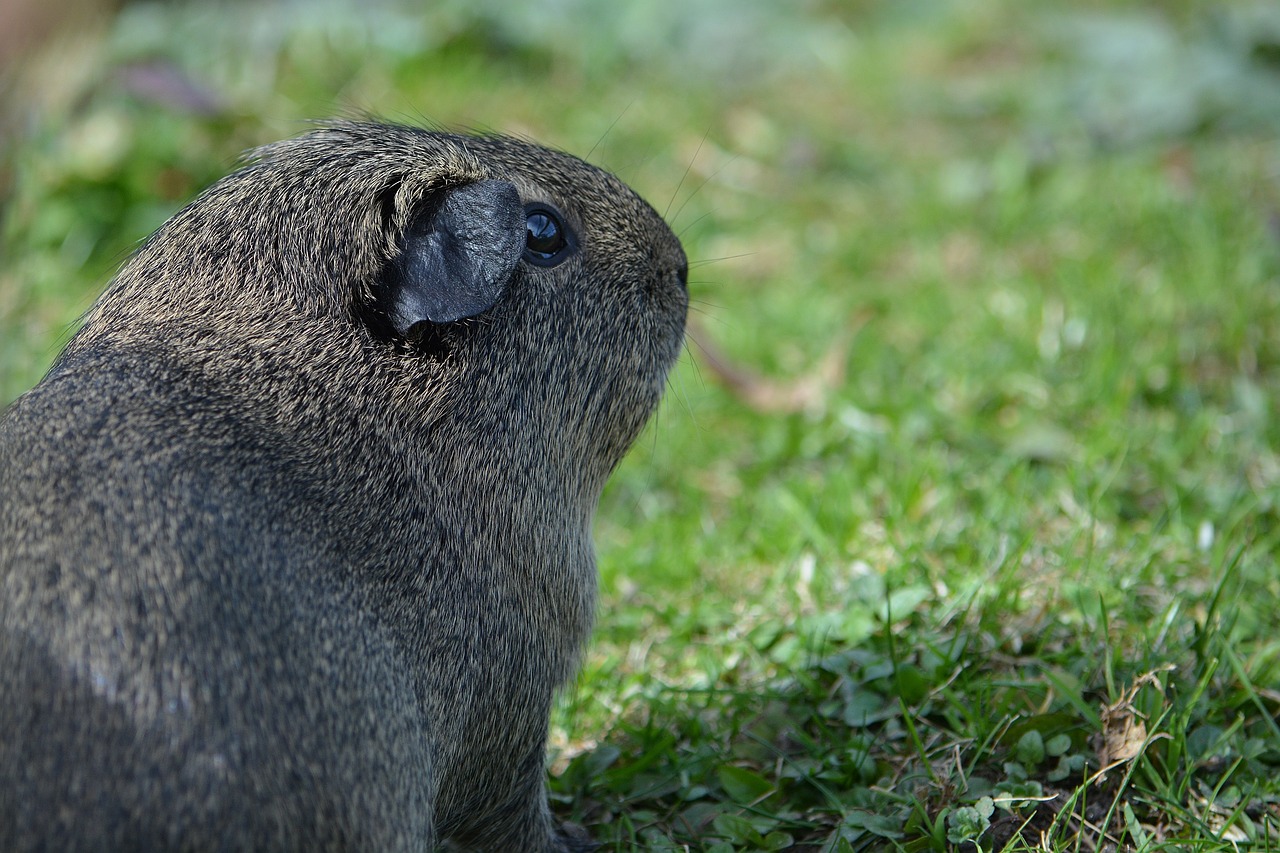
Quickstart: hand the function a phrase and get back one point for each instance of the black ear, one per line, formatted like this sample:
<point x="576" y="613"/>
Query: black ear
<point x="457" y="256"/>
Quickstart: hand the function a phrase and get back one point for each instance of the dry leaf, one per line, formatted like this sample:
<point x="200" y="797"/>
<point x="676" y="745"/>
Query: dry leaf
<point x="1124" y="728"/>
<point x="1123" y="737"/>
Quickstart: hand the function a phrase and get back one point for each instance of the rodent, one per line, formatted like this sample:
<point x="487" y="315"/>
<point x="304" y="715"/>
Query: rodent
<point x="295" y="534"/>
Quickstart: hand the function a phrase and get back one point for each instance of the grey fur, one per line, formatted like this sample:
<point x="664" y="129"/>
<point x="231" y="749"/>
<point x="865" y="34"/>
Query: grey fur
<point x="276" y="576"/>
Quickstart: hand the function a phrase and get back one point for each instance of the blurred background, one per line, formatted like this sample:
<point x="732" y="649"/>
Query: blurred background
<point x="782" y="138"/>
<point x="983" y="380"/>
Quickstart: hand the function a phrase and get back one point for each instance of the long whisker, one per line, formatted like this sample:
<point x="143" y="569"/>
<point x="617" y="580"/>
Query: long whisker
<point x="685" y="229"/>
<point x="607" y="131"/>
<point x="678" y="391"/>
<point x="704" y="261"/>
<point x="698" y="188"/>
<point x="687" y="169"/>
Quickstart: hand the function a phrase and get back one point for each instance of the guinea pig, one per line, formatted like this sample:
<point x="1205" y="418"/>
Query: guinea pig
<point x="295" y="534"/>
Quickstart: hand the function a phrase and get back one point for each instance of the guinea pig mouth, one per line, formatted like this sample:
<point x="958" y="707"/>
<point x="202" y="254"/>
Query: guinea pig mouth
<point x="435" y="340"/>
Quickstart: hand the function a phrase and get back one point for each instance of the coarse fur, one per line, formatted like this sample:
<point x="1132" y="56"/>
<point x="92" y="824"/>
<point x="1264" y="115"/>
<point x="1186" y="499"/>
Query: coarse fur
<point x="280" y="573"/>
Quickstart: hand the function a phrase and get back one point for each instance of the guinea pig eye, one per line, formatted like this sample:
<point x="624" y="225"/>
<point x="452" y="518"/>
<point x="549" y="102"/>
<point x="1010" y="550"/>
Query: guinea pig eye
<point x="546" y="240"/>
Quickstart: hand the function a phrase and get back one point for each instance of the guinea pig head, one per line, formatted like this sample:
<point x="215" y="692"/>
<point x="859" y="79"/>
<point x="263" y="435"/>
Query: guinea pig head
<point x="555" y="293"/>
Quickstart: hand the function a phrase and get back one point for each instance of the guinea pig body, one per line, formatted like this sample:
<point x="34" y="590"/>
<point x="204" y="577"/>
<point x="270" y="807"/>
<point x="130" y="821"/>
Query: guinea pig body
<point x="295" y="535"/>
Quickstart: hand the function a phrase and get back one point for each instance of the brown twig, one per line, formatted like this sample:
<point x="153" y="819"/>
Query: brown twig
<point x="806" y="393"/>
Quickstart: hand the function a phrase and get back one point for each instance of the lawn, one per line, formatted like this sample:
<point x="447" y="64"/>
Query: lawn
<point x="1005" y="573"/>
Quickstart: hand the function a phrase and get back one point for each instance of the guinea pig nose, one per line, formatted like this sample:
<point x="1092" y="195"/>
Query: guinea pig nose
<point x="682" y="272"/>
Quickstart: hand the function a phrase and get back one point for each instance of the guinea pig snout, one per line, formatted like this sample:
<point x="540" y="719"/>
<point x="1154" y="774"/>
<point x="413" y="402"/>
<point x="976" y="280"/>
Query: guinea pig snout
<point x="668" y="279"/>
<point x="669" y="265"/>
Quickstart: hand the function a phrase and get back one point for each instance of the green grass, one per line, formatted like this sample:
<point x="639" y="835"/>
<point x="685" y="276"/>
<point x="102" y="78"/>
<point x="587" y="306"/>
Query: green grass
<point x="1032" y="529"/>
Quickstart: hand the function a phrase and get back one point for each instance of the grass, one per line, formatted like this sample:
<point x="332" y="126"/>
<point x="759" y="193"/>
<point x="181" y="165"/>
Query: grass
<point x="1011" y="581"/>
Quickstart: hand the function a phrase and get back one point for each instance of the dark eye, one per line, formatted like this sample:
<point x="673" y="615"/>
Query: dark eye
<point x="546" y="241"/>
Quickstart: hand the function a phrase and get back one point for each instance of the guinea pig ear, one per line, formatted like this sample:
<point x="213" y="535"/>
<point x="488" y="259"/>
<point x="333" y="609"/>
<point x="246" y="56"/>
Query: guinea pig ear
<point x="456" y="256"/>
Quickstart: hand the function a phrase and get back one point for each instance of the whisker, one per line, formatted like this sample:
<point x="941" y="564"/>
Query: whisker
<point x="608" y="130"/>
<point x="687" y="169"/>
<point x="703" y="302"/>
<point x="687" y="339"/>
<point x="709" y="178"/>
<point x="697" y="363"/>
<point x="677" y="390"/>
<point x="704" y="261"/>
<point x="686" y="228"/>
<point x="706" y="284"/>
